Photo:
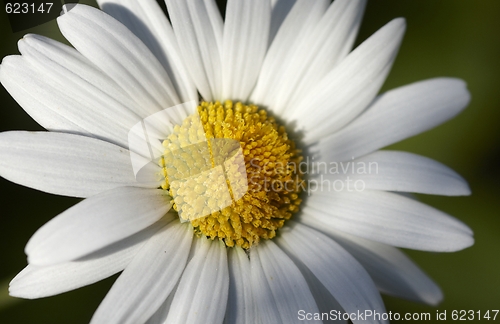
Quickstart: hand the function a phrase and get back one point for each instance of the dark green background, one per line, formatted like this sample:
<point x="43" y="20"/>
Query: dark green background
<point x="458" y="38"/>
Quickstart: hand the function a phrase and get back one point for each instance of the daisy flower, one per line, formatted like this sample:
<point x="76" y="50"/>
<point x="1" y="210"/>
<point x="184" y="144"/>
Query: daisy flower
<point x="252" y="122"/>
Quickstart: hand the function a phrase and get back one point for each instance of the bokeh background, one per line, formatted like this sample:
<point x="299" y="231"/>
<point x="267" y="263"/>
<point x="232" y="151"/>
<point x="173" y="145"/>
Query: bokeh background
<point x="458" y="38"/>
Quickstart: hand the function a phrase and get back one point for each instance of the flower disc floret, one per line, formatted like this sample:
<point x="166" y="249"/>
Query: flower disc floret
<point x="257" y="185"/>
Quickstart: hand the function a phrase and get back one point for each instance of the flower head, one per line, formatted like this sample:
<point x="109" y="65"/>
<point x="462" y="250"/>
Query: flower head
<point x="231" y="169"/>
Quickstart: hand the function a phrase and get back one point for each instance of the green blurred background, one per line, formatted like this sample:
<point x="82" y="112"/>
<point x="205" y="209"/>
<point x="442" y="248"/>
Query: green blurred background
<point x="458" y="38"/>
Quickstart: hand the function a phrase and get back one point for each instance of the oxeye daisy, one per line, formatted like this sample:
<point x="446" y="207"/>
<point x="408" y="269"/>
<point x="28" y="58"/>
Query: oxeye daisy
<point x="230" y="167"/>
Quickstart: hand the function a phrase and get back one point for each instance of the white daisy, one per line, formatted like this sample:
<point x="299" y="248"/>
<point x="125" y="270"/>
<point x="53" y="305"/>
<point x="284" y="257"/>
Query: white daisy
<point x="270" y="255"/>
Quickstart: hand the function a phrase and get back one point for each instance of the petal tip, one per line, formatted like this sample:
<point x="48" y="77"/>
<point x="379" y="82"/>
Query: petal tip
<point x="465" y="190"/>
<point x="461" y="244"/>
<point x="67" y="7"/>
<point x="436" y="299"/>
<point x="16" y="290"/>
<point x="8" y="60"/>
<point x="29" y="40"/>
<point x="398" y="24"/>
<point x="460" y="87"/>
<point x="401" y="21"/>
<point x="20" y="293"/>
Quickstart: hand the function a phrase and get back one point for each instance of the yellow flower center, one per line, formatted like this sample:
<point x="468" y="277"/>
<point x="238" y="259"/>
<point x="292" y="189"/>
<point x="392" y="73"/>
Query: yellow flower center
<point x="232" y="172"/>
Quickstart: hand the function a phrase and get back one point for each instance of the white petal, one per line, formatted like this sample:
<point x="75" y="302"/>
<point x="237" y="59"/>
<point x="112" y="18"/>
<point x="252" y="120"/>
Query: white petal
<point x="396" y="115"/>
<point x="388" y="218"/>
<point x="315" y="54"/>
<point x="37" y="282"/>
<point x="161" y="313"/>
<point x="67" y="164"/>
<point x="149" y="278"/>
<point x="339" y="272"/>
<point x="147" y="21"/>
<point x="92" y="99"/>
<point x="324" y="299"/>
<point x="203" y="290"/>
<point x="246" y="31"/>
<point x="240" y="308"/>
<point x="266" y="308"/>
<point x="350" y="87"/>
<point x="198" y="27"/>
<point x="391" y="270"/>
<point x="395" y="171"/>
<point x="280" y="10"/>
<point x="95" y="223"/>
<point x="27" y="88"/>
<point x="121" y="55"/>
<point x="299" y="23"/>
<point x="287" y="285"/>
<point x="60" y="98"/>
